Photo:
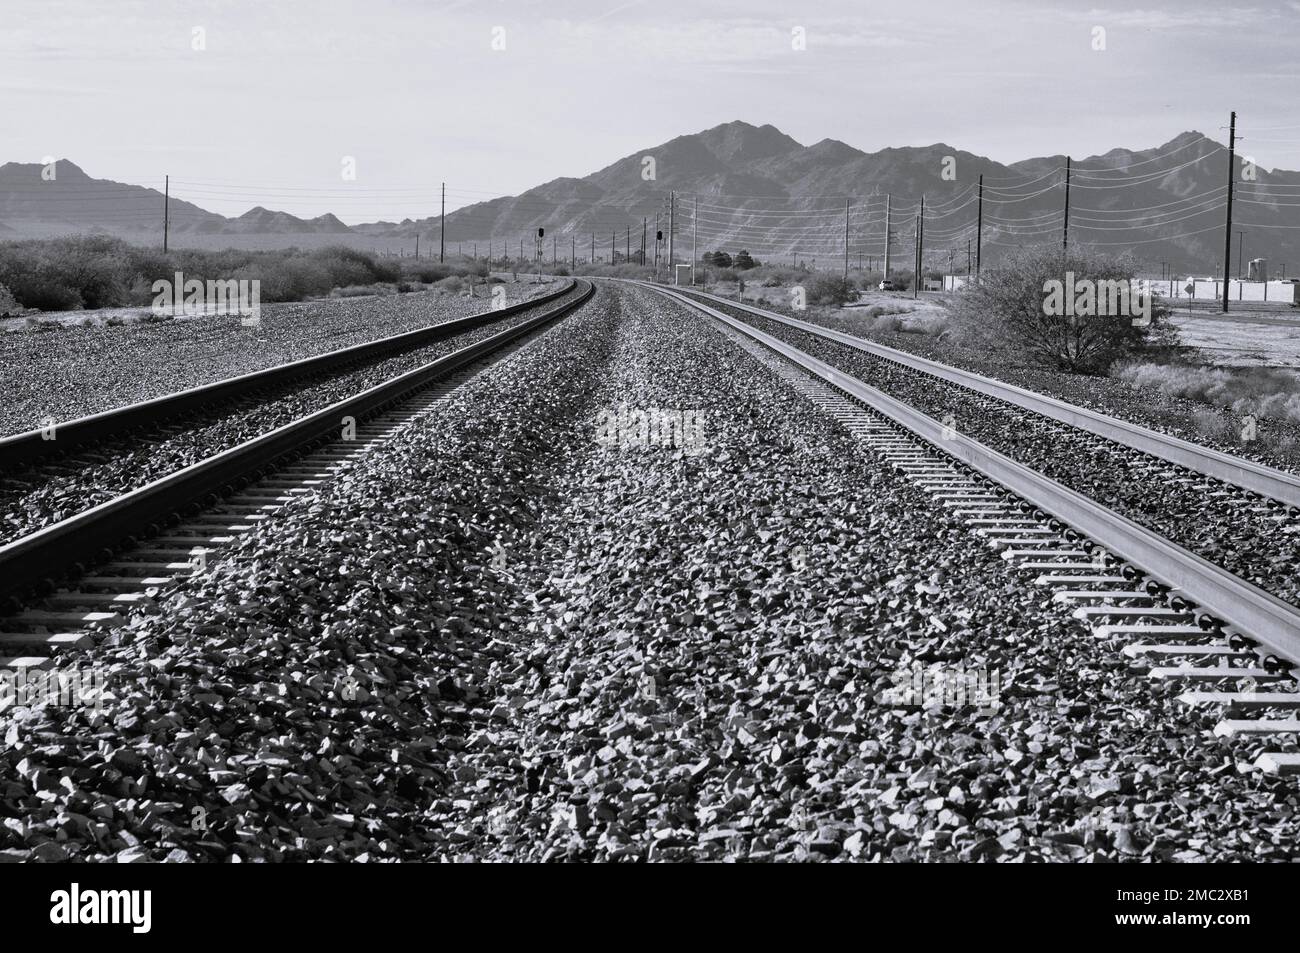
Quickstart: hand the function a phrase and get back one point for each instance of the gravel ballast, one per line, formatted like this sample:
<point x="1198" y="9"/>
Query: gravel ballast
<point x="1233" y="530"/>
<point x="1278" y="443"/>
<point x="43" y="495"/>
<point x="543" y="647"/>
<point x="78" y="371"/>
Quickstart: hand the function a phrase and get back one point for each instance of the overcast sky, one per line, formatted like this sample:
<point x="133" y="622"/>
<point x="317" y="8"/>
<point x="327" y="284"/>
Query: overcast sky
<point x="414" y="90"/>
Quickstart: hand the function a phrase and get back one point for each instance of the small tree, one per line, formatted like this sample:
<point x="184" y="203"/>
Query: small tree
<point x="831" y="289"/>
<point x="8" y="304"/>
<point x="743" y="260"/>
<point x="720" y="260"/>
<point x="1077" y="312"/>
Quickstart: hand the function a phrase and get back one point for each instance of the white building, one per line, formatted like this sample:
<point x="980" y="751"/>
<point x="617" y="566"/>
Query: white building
<point x="1197" y="289"/>
<point x="1211" y="289"/>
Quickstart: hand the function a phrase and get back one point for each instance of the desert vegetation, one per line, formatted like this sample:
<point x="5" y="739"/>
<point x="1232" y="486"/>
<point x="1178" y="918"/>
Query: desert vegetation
<point x="1013" y="307"/>
<point x="1258" y="390"/>
<point x="92" y="271"/>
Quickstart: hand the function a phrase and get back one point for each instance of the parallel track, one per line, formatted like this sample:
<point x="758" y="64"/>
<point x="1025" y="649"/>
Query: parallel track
<point x="1128" y="583"/>
<point x="90" y="461"/>
<point x="71" y="547"/>
<point x="69" y="436"/>
<point x="1246" y="474"/>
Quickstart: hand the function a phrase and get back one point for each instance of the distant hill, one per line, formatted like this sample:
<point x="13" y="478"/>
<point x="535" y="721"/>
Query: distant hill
<point x="761" y="190"/>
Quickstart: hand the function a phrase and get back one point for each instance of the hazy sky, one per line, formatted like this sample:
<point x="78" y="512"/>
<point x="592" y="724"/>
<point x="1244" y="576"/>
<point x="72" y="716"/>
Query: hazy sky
<point x="416" y="93"/>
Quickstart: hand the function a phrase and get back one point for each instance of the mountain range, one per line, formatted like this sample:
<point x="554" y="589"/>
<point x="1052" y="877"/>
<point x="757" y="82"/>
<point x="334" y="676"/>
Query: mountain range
<point x="761" y="190"/>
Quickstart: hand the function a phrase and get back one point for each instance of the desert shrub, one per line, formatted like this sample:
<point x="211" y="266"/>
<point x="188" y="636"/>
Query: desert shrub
<point x="621" y="270"/>
<point x="830" y="289"/>
<point x="344" y="266"/>
<point x="1014" y="307"/>
<point x="880" y="319"/>
<point x="43" y="289"/>
<point x="359" y="291"/>
<point x="1209" y="423"/>
<point x="97" y="271"/>
<point x="453" y="284"/>
<point x="9" y="305"/>
<point x="1262" y="391"/>
<point x="96" y="267"/>
<point x="34" y="279"/>
<point x="726" y="274"/>
<point x="429" y="272"/>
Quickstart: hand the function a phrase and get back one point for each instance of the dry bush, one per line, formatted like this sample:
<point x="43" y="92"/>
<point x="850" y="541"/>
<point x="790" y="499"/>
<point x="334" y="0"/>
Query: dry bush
<point x="830" y="289"/>
<point x="1009" y="307"/>
<point x="94" y="271"/>
<point x="1260" y="391"/>
<point x="1210" y="423"/>
<point x="9" y="305"/>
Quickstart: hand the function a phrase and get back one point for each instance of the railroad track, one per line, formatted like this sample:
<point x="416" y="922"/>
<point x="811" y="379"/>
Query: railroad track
<point x="48" y="474"/>
<point x="1231" y="511"/>
<point x="1245" y="474"/>
<point x="133" y="547"/>
<point x="1193" y="621"/>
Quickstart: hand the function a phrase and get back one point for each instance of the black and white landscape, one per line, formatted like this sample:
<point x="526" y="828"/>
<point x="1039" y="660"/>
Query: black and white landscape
<point x="566" y="431"/>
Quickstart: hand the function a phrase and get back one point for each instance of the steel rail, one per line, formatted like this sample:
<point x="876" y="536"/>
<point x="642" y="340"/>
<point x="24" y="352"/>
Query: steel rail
<point x="52" y="551"/>
<point x="1264" y="480"/>
<point x="1248" y="609"/>
<point x="25" y="448"/>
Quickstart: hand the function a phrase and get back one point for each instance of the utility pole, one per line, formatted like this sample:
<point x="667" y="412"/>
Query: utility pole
<point x="167" y="209"/>
<point x="417" y="246"/>
<point x="1227" y="231"/>
<point x="968" y="258"/>
<point x="442" y="228"/>
<point x="979" y="227"/>
<point x="916" y="253"/>
<point x="521" y="249"/>
<point x="656" y="244"/>
<point x="846" y="238"/>
<point x="1065" y="236"/>
<point x="613" y="236"/>
<point x="554" y="260"/>
<point x="920" y="253"/>
<point x="1241" y="248"/>
<point x="593" y="248"/>
<point x="888" y="199"/>
<point x="672" y="225"/>
<point x="643" y="224"/>
<point x="573" y="251"/>
<point x="627" y="251"/>
<point x="695" y="239"/>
